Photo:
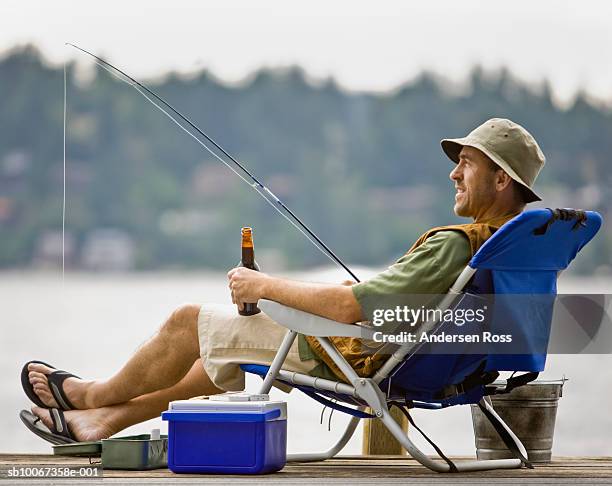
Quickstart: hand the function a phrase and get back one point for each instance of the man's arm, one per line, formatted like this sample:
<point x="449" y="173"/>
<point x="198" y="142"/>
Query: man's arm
<point x="335" y="302"/>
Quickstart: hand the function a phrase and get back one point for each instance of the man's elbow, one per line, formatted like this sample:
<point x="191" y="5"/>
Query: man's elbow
<point x="350" y="317"/>
<point x="350" y="310"/>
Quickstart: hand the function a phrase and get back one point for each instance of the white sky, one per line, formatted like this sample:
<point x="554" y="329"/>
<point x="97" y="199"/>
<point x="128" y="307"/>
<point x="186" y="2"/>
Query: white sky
<point x="373" y="45"/>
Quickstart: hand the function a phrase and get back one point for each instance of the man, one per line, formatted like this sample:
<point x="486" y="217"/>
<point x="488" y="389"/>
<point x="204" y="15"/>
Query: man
<point x="199" y="348"/>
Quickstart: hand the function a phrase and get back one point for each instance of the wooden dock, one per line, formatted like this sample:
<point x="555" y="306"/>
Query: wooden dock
<point x="344" y="470"/>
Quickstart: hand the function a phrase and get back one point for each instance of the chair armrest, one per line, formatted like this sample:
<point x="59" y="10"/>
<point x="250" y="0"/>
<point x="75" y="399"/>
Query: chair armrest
<point x="310" y="324"/>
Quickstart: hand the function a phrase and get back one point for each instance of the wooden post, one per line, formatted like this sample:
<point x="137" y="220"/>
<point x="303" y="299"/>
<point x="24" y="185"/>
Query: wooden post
<point x="378" y="440"/>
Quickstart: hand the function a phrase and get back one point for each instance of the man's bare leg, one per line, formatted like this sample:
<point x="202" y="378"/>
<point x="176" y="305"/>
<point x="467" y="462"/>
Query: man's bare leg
<point x="160" y="363"/>
<point x="101" y="423"/>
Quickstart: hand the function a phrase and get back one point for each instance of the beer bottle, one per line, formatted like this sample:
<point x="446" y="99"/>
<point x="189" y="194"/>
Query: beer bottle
<point x="248" y="261"/>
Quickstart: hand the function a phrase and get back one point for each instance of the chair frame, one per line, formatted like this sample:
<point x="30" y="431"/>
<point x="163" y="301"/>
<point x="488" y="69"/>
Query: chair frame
<point x="367" y="389"/>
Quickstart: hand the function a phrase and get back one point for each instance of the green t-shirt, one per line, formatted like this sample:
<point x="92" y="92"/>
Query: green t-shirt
<point x="430" y="269"/>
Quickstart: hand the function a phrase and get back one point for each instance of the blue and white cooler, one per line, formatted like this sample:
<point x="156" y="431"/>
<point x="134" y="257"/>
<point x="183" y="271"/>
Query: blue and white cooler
<point x="229" y="434"/>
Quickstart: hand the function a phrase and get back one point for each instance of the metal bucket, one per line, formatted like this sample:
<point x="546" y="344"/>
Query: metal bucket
<point x="530" y="411"/>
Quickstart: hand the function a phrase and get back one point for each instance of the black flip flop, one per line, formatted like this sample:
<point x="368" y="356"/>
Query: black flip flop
<point x="58" y="434"/>
<point x="55" y="379"/>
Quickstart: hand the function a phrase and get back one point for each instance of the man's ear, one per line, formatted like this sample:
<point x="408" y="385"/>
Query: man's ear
<point x="502" y="180"/>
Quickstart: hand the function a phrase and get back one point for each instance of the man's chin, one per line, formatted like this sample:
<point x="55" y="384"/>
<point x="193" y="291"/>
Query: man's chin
<point x="461" y="211"/>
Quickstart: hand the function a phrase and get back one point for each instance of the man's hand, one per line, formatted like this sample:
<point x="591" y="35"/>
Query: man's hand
<point x="335" y="302"/>
<point x="246" y="285"/>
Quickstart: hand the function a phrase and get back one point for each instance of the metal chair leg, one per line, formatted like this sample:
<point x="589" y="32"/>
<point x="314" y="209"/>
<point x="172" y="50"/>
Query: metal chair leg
<point x="332" y="451"/>
<point x="436" y="465"/>
<point x="277" y="362"/>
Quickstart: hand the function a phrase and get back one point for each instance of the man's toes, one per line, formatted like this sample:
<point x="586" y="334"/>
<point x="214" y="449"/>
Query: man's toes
<point x="38" y="380"/>
<point x="44" y="415"/>
<point x="40" y="368"/>
<point x="41" y="390"/>
<point x="42" y="393"/>
<point x="45" y="395"/>
<point x="32" y="375"/>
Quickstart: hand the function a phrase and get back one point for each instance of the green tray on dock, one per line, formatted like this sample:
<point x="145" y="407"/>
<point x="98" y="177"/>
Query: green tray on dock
<point x="133" y="452"/>
<point x="79" y="449"/>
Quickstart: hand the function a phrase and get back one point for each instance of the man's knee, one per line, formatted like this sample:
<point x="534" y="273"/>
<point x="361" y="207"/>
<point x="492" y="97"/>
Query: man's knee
<point x="184" y="320"/>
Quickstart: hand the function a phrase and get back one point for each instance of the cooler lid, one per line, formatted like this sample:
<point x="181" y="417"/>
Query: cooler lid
<point x="230" y="407"/>
<point x="216" y="416"/>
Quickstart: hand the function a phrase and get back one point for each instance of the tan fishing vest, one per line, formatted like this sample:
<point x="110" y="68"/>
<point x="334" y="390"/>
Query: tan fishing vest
<point x="366" y="363"/>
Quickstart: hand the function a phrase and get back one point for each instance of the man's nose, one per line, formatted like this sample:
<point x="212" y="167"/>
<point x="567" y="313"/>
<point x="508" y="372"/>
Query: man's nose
<point x="455" y="174"/>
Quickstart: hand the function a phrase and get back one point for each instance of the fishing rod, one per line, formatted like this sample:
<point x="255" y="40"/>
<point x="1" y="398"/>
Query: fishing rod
<point x="260" y="188"/>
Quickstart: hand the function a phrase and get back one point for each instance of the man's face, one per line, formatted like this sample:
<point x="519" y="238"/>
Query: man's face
<point x="474" y="178"/>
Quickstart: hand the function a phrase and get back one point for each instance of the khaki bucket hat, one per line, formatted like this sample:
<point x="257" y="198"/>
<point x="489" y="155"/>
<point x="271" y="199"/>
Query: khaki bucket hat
<point x="507" y="144"/>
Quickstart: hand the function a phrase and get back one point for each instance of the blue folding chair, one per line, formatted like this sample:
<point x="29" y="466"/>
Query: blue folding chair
<point x="523" y="257"/>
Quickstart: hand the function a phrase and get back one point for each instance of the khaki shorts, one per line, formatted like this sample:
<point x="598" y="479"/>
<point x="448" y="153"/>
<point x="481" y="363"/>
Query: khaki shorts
<point x="228" y="340"/>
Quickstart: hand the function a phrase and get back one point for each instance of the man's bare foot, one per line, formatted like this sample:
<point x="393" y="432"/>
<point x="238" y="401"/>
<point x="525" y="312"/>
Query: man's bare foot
<point x="84" y="425"/>
<point x="74" y="388"/>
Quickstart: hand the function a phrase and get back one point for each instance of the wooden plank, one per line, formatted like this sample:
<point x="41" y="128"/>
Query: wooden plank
<point x="378" y="440"/>
<point x="361" y="469"/>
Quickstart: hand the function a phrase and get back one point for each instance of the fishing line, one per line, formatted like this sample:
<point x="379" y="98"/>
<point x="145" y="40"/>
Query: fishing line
<point x="64" y="194"/>
<point x="255" y="186"/>
<point x="268" y="195"/>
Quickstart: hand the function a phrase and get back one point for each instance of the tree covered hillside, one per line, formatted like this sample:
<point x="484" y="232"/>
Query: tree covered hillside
<point x="364" y="170"/>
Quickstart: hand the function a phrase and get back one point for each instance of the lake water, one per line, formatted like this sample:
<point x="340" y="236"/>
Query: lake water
<point x="90" y="325"/>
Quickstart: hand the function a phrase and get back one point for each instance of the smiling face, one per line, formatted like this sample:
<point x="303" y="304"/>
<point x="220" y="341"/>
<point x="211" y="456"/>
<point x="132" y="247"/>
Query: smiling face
<point x="476" y="179"/>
